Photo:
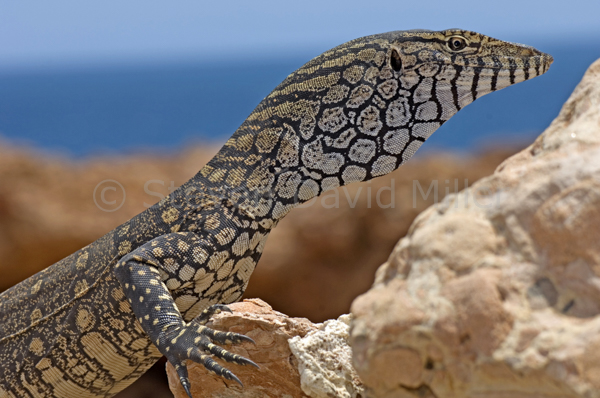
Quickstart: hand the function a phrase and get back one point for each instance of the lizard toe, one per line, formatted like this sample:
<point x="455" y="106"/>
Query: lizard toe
<point x="208" y="313"/>
<point x="212" y="366"/>
<point x="221" y="353"/>
<point x="181" y="369"/>
<point x="225" y="337"/>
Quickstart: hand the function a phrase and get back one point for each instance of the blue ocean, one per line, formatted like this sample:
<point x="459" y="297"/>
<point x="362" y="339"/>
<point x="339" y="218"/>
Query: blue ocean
<point x="118" y="109"/>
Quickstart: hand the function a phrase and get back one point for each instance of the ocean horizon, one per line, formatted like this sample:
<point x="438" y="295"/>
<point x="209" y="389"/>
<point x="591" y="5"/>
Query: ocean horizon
<point x="117" y="109"/>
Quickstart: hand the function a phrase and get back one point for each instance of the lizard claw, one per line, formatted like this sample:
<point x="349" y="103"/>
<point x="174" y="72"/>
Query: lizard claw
<point x="243" y="337"/>
<point x="197" y="343"/>
<point x="182" y="372"/>
<point x="213" y="366"/>
<point x="235" y="378"/>
<point x="224" y="337"/>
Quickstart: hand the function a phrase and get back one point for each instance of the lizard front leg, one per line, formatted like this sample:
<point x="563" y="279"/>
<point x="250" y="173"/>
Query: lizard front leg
<point x="153" y="277"/>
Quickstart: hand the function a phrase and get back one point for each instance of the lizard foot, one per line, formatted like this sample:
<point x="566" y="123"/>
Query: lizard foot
<point x="195" y="342"/>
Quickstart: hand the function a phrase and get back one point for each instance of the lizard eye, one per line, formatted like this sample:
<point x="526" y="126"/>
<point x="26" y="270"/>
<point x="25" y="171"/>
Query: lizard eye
<point x="395" y="61"/>
<point x="456" y="43"/>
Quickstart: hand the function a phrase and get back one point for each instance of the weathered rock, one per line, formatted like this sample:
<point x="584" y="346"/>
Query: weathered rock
<point x="325" y="361"/>
<point x="495" y="292"/>
<point x="278" y="375"/>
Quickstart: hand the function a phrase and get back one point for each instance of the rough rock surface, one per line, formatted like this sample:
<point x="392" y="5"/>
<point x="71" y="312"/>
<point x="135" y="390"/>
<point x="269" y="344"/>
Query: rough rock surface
<point x="325" y="361"/>
<point x="495" y="292"/>
<point x="278" y="375"/>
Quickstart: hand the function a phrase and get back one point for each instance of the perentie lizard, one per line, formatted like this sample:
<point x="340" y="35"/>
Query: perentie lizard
<point x="92" y="323"/>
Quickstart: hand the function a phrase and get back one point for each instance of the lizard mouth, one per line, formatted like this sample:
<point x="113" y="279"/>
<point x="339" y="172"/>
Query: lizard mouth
<point x="499" y="55"/>
<point x="517" y="68"/>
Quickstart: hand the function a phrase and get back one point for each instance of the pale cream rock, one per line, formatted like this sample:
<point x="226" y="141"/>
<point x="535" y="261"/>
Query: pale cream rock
<point x="325" y="361"/>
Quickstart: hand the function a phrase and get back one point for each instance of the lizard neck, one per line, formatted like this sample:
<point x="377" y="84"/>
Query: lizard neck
<point x="321" y="129"/>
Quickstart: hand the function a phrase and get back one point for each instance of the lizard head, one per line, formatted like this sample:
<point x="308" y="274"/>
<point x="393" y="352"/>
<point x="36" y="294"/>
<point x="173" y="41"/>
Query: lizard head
<point x="474" y="63"/>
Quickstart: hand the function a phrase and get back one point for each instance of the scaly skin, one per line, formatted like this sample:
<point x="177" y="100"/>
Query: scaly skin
<point x="91" y="324"/>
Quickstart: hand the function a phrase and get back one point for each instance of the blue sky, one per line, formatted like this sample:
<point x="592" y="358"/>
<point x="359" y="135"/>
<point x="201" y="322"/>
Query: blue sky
<point x="66" y="32"/>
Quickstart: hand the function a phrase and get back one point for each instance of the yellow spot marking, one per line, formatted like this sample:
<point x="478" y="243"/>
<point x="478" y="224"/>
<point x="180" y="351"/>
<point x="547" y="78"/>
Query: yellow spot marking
<point x="367" y="54"/>
<point x="170" y="215"/>
<point x="82" y="260"/>
<point x="35" y="288"/>
<point x="206" y="170"/>
<point x="353" y="74"/>
<point x="124" y="307"/>
<point x="241" y="244"/>
<point x="236" y="176"/>
<point x="173" y="284"/>
<point x="217" y="259"/>
<point x="215" y="287"/>
<point x="203" y="280"/>
<point x="117" y="294"/>
<point x="84" y="320"/>
<point x="217" y="175"/>
<point x="36" y="314"/>
<point x="36" y="346"/>
<point x="181" y="245"/>
<point x="200" y="255"/>
<point x="225" y="236"/>
<point x="225" y="269"/>
<point x="124" y="247"/>
<point x="80" y="287"/>
<point x="212" y="221"/>
<point x="184" y="302"/>
<point x="186" y="273"/>
<point x="244" y="143"/>
<point x="267" y="139"/>
<point x="315" y="84"/>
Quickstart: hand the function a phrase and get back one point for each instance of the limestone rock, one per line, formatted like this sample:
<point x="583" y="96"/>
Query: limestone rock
<point x="325" y="361"/>
<point x="278" y="375"/>
<point x="495" y="292"/>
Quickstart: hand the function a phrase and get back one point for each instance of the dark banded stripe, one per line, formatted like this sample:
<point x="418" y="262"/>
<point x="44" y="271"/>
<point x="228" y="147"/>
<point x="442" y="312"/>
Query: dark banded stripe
<point x="475" y="84"/>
